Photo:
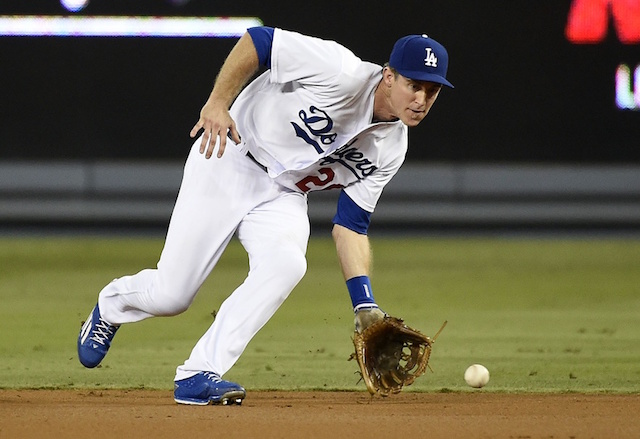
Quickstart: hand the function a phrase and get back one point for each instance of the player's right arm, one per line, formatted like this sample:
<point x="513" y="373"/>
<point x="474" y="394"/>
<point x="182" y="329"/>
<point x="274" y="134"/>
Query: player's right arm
<point x="241" y="64"/>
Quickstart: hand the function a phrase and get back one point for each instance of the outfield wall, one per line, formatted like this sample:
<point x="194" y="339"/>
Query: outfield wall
<point x="421" y="196"/>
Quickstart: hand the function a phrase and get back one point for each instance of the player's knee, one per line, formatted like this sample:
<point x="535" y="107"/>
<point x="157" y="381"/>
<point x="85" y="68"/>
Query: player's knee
<point x="297" y="267"/>
<point x="171" y="305"/>
<point x="292" y="263"/>
<point x="284" y="265"/>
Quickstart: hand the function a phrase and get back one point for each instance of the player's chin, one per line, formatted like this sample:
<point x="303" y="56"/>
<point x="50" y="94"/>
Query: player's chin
<point x="413" y="118"/>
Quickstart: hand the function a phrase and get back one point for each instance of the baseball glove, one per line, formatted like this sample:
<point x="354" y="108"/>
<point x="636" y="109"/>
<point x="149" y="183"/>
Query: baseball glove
<point x="391" y="355"/>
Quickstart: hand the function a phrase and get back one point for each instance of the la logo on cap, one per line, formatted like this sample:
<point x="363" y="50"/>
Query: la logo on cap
<point x="431" y="60"/>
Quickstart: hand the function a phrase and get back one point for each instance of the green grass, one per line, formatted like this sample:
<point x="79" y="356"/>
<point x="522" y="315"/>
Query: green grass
<point x="544" y="315"/>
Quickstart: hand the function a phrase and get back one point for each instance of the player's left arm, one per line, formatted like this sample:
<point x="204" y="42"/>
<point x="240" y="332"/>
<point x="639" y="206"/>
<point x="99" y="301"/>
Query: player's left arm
<point x="351" y="223"/>
<point x="355" y="206"/>
<point x="354" y="252"/>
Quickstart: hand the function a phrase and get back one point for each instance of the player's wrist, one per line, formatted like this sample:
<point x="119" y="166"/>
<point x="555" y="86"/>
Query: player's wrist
<point x="361" y="293"/>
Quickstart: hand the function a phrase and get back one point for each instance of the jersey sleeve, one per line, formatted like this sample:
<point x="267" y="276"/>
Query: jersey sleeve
<point x="306" y="59"/>
<point x="350" y="215"/>
<point x="262" y="37"/>
<point x="366" y="192"/>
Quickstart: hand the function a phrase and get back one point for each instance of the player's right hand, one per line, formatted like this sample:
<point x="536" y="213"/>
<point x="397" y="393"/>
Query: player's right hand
<point x="216" y="122"/>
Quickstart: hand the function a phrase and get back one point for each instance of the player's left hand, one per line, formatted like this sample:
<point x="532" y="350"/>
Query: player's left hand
<point x="216" y="122"/>
<point x="367" y="317"/>
<point x="391" y="355"/>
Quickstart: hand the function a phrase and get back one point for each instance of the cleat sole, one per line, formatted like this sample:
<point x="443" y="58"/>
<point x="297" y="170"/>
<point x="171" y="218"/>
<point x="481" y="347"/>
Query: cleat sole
<point x="230" y="398"/>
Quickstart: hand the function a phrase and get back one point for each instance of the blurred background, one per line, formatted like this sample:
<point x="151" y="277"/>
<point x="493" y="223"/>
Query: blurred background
<point x="542" y="131"/>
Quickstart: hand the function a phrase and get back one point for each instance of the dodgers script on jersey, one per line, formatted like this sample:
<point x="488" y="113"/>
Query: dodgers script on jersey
<point x="308" y="120"/>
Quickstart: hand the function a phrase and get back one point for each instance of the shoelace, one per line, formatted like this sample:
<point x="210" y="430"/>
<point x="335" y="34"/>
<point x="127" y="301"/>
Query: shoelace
<point x="212" y="376"/>
<point x="103" y="332"/>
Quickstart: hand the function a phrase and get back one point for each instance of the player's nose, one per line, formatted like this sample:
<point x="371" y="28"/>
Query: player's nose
<point x="421" y="98"/>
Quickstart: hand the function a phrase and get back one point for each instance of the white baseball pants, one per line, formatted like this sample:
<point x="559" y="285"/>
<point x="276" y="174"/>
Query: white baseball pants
<point x="217" y="198"/>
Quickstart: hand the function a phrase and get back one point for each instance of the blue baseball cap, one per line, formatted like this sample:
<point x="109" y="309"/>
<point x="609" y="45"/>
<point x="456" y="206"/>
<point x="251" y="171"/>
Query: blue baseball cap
<point x="421" y="58"/>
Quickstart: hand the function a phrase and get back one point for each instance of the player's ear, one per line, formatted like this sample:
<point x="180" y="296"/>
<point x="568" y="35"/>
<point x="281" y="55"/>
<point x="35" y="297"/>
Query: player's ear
<point x="388" y="76"/>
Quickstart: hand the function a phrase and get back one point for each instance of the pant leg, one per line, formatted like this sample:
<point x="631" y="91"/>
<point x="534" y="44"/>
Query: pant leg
<point x="214" y="197"/>
<point x="275" y="235"/>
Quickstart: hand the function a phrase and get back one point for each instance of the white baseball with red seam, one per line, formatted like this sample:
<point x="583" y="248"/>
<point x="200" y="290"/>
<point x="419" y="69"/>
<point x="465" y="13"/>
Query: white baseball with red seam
<point x="476" y="375"/>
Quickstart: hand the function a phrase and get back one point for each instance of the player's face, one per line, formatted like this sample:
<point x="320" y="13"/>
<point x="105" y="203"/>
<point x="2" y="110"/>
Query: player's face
<point x="411" y="100"/>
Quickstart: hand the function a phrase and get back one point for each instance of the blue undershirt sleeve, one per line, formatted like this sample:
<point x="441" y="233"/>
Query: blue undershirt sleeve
<point x="351" y="216"/>
<point x="262" y="37"/>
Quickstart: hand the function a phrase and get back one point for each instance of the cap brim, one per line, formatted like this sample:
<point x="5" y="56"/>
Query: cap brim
<point x="422" y="76"/>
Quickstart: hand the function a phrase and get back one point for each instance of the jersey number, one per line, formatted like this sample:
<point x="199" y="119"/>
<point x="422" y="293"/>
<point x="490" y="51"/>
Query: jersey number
<point x="315" y="182"/>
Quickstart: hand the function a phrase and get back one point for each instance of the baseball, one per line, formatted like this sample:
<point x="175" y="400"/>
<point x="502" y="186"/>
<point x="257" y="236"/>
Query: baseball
<point x="476" y="375"/>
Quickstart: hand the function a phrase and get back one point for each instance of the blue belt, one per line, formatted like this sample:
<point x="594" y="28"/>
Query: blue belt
<point x="260" y="165"/>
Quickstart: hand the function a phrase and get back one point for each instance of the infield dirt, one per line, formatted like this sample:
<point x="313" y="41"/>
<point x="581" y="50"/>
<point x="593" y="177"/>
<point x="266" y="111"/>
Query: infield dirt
<point x="152" y="413"/>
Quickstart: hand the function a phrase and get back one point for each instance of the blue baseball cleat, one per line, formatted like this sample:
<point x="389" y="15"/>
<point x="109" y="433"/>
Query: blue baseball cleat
<point x="207" y="388"/>
<point x="95" y="339"/>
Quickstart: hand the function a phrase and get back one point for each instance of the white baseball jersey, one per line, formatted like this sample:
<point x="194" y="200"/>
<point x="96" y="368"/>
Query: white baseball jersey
<point x="309" y="120"/>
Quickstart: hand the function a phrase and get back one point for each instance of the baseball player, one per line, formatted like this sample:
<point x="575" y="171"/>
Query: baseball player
<point x="318" y="118"/>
